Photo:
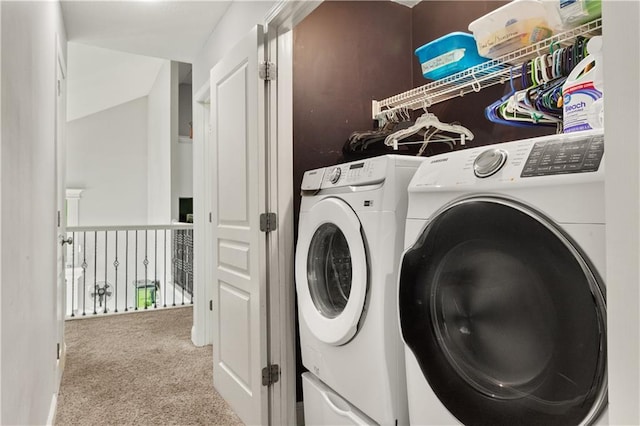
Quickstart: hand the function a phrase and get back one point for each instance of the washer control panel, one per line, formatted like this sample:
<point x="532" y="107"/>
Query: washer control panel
<point x="489" y="162"/>
<point x="508" y="162"/>
<point x="560" y="157"/>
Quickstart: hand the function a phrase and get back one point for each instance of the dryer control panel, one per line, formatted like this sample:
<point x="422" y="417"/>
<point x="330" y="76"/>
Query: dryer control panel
<point x="357" y="173"/>
<point x="559" y="157"/>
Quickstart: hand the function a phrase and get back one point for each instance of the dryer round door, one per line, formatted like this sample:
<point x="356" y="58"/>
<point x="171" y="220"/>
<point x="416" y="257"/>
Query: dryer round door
<point x="331" y="271"/>
<point x="505" y="316"/>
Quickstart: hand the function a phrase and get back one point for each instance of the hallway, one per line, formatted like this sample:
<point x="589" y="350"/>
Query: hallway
<point x="140" y="369"/>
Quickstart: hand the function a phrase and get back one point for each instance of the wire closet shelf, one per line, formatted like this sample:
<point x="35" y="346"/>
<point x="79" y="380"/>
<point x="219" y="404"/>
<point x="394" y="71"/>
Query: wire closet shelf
<point x="474" y="79"/>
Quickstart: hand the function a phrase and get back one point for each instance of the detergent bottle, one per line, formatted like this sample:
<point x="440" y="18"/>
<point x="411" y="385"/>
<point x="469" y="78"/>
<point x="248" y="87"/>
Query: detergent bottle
<point x="583" y="92"/>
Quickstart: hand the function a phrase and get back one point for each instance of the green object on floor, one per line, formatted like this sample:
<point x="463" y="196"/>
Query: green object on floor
<point x="145" y="293"/>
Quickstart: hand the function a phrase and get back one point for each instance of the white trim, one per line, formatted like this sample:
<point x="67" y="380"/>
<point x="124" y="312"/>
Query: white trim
<point x="60" y="364"/>
<point x="60" y="96"/>
<point x="129" y="312"/>
<point x="2" y="244"/>
<point x="279" y="23"/>
<point x="202" y="332"/>
<point x="286" y="14"/>
<point x="72" y="199"/>
<point x="622" y="192"/>
<point x="407" y="3"/>
<point x="173" y="227"/>
<point x="51" y="417"/>
<point x="72" y="193"/>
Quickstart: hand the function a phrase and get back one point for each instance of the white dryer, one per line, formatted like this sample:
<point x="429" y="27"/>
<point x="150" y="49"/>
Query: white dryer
<point x="501" y="290"/>
<point x="350" y="239"/>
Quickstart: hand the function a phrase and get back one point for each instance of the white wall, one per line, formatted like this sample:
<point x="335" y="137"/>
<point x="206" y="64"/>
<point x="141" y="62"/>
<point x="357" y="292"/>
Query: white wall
<point x="185" y="115"/>
<point x="159" y="148"/>
<point x="1" y="109"/>
<point x="27" y="194"/>
<point x="103" y="78"/>
<point x="182" y="177"/>
<point x="236" y="23"/>
<point x="182" y="153"/>
<point x="621" y="21"/>
<point x="107" y="157"/>
<point x="176" y="171"/>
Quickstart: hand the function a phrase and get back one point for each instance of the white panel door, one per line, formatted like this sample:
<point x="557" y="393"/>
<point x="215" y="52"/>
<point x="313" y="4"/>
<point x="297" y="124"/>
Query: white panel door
<point x="61" y="230"/>
<point x="239" y="249"/>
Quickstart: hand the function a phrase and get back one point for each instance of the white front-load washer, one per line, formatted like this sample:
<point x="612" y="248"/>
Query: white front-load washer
<point x="350" y="239"/>
<point x="501" y="290"/>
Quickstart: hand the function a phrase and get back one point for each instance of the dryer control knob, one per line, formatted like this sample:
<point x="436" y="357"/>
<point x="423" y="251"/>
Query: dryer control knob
<point x="489" y="162"/>
<point x="334" y="176"/>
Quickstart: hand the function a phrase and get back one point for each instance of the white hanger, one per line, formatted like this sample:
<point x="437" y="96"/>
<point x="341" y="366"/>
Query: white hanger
<point x="425" y="122"/>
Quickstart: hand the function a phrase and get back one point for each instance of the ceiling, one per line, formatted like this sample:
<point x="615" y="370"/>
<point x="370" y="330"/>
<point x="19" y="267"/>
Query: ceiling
<point x="174" y="29"/>
<point x="116" y="48"/>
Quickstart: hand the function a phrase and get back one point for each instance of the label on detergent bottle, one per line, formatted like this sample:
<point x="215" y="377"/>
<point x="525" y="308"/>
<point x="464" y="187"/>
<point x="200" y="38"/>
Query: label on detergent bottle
<point x="578" y="103"/>
<point x="442" y="60"/>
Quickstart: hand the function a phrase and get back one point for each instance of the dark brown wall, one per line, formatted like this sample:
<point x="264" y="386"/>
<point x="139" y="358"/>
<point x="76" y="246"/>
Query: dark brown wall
<point x="345" y="54"/>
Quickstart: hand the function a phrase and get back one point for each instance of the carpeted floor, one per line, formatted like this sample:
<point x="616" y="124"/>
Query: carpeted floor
<point x="139" y="369"/>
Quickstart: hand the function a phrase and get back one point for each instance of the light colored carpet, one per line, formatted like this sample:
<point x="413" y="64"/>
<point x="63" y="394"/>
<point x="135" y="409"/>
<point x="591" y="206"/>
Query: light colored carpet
<point x="139" y="369"/>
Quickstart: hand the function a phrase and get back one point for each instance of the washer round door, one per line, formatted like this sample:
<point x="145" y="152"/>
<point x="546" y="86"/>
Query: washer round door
<point x="505" y="316"/>
<point x="331" y="271"/>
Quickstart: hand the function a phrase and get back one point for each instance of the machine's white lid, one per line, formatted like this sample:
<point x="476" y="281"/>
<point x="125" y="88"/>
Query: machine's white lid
<point x="370" y="171"/>
<point x="572" y="156"/>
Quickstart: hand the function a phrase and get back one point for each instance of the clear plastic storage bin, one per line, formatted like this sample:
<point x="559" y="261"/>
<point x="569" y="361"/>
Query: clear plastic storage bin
<point x="514" y="26"/>
<point x="448" y="55"/>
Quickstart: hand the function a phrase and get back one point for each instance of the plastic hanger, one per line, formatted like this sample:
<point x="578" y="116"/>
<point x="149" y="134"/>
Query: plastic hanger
<point x="493" y="112"/>
<point x="429" y="121"/>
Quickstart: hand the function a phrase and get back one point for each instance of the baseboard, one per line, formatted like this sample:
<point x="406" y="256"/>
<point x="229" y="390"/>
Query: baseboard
<point x="60" y="366"/>
<point x="199" y="339"/>
<point x="52" y="409"/>
<point x="59" y="371"/>
<point x="300" y="413"/>
<point x="194" y="337"/>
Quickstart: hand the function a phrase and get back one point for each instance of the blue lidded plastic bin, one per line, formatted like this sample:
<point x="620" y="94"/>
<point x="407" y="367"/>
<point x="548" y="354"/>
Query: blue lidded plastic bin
<point x="448" y="55"/>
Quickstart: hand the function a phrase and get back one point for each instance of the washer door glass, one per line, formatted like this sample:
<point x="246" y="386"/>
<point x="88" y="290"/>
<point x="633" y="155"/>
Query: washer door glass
<point x="329" y="270"/>
<point x="505" y="317"/>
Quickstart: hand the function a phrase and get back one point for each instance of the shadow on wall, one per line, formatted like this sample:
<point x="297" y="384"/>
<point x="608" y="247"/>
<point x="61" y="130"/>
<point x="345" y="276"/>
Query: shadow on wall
<point x="348" y="53"/>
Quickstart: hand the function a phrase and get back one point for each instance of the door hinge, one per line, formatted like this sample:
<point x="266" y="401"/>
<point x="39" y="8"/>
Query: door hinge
<point x="210" y="218"/>
<point x="211" y="305"/>
<point x="59" y="218"/>
<point x="58" y="351"/>
<point x="270" y="374"/>
<point x="267" y="71"/>
<point x="268" y="222"/>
